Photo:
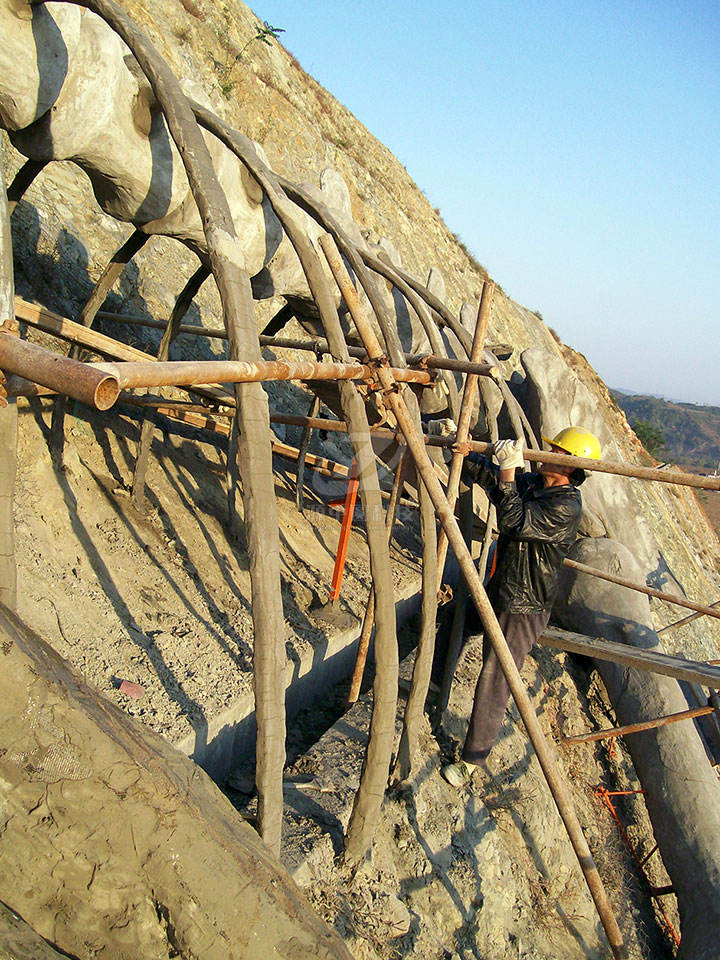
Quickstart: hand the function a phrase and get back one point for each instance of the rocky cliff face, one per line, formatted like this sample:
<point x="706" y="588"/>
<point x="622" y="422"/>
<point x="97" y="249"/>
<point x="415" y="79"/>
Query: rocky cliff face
<point x="162" y="596"/>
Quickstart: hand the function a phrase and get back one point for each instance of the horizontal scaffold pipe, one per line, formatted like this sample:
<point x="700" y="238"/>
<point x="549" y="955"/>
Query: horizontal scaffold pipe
<point x="314" y="345"/>
<point x="638" y="727"/>
<point x="599" y="466"/>
<point x="91" y="386"/>
<point x="185" y="373"/>
<point x="603" y="466"/>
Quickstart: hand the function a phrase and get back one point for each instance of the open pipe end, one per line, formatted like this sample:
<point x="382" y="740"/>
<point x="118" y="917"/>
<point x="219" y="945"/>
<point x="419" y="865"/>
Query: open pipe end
<point x="106" y="393"/>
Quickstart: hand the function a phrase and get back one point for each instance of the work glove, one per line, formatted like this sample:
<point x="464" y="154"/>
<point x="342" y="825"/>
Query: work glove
<point x="441" y="428"/>
<point x="509" y="453"/>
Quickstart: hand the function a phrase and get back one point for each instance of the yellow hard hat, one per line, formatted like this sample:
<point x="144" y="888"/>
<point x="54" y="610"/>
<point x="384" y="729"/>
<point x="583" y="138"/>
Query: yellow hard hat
<point x="578" y="442"/>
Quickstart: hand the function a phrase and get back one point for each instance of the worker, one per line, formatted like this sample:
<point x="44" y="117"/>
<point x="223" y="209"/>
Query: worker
<point x="538" y="515"/>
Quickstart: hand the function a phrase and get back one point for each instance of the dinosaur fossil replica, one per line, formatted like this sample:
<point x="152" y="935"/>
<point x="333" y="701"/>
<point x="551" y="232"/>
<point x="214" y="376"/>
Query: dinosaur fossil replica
<point x="159" y="159"/>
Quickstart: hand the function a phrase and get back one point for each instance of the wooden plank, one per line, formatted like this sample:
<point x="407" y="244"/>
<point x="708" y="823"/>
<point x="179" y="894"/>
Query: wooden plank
<point x="693" y="671"/>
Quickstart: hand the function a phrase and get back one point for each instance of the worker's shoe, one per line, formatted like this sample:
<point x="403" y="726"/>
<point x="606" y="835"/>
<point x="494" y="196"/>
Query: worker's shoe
<point x="458" y="774"/>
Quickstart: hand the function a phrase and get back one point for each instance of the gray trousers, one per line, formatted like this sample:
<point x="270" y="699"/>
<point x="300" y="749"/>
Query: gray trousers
<point x="492" y="692"/>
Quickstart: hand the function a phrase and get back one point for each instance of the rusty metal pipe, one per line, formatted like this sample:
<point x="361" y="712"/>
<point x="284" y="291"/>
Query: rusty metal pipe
<point x="639" y="727"/>
<point x="91" y="386"/>
<point x="182" y="373"/>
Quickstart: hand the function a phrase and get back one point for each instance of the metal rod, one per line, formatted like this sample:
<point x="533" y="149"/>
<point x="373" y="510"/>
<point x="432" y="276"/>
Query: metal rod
<point x="638" y="727"/>
<point x="425" y="467"/>
<point x="94" y="388"/>
<point x="649" y="591"/>
<point x="680" y="623"/>
<point x="183" y="373"/>
<point x="345" y="530"/>
<point x="369" y="618"/>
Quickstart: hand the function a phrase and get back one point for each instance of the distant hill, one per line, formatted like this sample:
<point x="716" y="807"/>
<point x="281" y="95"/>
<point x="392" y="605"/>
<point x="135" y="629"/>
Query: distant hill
<point x="691" y="431"/>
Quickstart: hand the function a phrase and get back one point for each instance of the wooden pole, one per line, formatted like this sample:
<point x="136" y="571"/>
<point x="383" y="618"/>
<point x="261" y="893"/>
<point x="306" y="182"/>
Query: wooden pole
<point x="639" y="588"/>
<point x="494" y="633"/>
<point x="604" y="466"/>
<point x="638" y="727"/>
<point x="693" y="671"/>
<point x="180" y="308"/>
<point x="93" y="387"/>
<point x="8" y="415"/>
<point x="303" y="451"/>
<point x="368" y="799"/>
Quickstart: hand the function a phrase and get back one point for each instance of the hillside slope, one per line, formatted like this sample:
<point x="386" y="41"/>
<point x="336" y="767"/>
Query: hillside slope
<point x="162" y="598"/>
<point x="691" y="431"/>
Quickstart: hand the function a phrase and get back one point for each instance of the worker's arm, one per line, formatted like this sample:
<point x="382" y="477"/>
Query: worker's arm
<point x="550" y="519"/>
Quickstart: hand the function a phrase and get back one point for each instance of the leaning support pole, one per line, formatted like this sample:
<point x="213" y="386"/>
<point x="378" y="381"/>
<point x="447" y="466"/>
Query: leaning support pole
<point x="638" y="727"/>
<point x="252" y="421"/>
<point x="302" y="454"/>
<point x="369" y="618"/>
<point x="684" y="620"/>
<point x="543" y="750"/>
<point x="23" y="178"/>
<point x="8" y="416"/>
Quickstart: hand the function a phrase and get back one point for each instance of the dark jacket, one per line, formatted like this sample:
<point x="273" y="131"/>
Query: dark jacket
<point x="537" y="527"/>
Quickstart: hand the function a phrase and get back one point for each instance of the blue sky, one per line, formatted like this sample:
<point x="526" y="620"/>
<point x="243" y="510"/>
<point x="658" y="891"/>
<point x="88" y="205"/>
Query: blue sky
<point x="574" y="146"/>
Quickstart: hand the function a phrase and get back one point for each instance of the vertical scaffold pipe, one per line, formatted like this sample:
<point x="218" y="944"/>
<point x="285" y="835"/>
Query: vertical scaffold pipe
<point x="252" y="424"/>
<point x="543" y="750"/>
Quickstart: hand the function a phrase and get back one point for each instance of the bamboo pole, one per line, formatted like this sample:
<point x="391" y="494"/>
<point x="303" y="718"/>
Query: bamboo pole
<point x="638" y="727"/>
<point x="605" y="466"/>
<point x="185" y="373"/>
<point x="93" y="387"/>
<point x="494" y="633"/>
<point x="369" y="618"/>
<point x="639" y="588"/>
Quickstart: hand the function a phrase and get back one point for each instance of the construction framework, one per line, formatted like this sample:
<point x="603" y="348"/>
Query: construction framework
<point x="382" y="368"/>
